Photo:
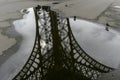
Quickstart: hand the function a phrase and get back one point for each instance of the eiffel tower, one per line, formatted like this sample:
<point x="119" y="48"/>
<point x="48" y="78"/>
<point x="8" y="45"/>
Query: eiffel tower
<point x="56" y="54"/>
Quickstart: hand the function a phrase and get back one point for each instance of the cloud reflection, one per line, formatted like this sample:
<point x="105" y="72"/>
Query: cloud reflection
<point x="102" y="45"/>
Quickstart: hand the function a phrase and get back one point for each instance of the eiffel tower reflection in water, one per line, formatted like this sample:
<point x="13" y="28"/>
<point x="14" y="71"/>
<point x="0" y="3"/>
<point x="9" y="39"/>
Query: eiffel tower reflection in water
<point x="61" y="58"/>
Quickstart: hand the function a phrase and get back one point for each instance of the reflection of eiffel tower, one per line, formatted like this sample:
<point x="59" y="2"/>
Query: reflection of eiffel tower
<point x="56" y="55"/>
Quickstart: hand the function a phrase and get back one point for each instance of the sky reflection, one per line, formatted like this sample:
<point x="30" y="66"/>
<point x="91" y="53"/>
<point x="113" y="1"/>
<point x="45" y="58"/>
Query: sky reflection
<point x="102" y="45"/>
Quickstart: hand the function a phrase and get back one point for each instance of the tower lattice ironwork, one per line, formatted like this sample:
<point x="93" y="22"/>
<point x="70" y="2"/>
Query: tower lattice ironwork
<point x="56" y="55"/>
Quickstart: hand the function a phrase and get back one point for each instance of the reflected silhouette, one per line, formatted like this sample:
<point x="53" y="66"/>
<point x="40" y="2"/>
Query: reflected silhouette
<point x="107" y="27"/>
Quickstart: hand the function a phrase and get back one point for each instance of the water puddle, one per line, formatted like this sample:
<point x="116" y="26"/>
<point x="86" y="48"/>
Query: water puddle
<point x="102" y="45"/>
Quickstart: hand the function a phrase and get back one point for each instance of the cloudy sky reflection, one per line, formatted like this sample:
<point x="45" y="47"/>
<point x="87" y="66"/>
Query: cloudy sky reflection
<point x="102" y="45"/>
